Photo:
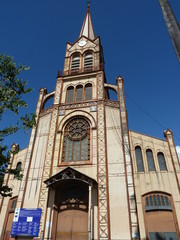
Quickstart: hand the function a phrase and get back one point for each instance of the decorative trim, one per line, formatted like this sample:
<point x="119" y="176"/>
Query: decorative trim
<point x="69" y="174"/>
<point x="103" y="210"/>
<point x="75" y="114"/>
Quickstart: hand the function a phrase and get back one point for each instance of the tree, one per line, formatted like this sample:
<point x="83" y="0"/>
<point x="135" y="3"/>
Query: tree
<point x="12" y="90"/>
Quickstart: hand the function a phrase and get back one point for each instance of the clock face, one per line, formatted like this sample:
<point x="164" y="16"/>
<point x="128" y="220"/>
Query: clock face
<point x="82" y="43"/>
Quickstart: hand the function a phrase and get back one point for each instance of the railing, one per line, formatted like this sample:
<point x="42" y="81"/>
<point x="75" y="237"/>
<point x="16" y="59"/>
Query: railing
<point x="83" y="70"/>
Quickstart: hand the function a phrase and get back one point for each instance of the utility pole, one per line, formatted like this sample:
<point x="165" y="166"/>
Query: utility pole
<point x="172" y="25"/>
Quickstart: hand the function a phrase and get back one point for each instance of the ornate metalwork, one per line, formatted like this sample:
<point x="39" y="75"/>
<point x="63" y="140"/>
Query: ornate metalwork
<point x="76" y="145"/>
<point x="82" y="70"/>
<point x="111" y="103"/>
<point x="77" y="105"/>
<point x="46" y="111"/>
<point x="77" y="129"/>
<point x="69" y="174"/>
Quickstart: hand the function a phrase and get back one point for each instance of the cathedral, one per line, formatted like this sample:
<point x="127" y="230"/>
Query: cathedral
<point x="86" y="176"/>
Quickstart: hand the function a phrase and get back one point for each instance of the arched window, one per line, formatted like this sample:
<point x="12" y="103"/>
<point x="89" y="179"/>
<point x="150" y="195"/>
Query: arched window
<point x="79" y="93"/>
<point x="18" y="166"/>
<point x="88" y="61"/>
<point x="70" y="94"/>
<point x="75" y="64"/>
<point x="157" y="201"/>
<point x="76" y="141"/>
<point x="161" y="160"/>
<point x="150" y="160"/>
<point x="88" y="91"/>
<point x="139" y="159"/>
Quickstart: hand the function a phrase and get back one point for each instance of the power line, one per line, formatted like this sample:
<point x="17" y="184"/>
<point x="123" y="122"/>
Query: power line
<point x="150" y="116"/>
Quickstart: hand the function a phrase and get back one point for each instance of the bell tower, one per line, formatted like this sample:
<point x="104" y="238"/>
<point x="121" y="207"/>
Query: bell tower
<point x="85" y="54"/>
<point x="88" y="135"/>
<point x="83" y="81"/>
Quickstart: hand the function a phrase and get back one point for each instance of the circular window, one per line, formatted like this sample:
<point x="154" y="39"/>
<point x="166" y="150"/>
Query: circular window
<point x="77" y="129"/>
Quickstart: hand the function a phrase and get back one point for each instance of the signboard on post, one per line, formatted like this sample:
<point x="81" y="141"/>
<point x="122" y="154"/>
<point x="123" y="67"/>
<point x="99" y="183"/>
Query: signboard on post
<point x="26" y="222"/>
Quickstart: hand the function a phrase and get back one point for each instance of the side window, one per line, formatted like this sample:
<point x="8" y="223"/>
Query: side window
<point x="13" y="204"/>
<point x="76" y="146"/>
<point x="19" y="165"/>
<point x="161" y="160"/>
<point x="150" y="160"/>
<point x="70" y="94"/>
<point x="139" y="159"/>
<point x="157" y="201"/>
<point x="88" y="61"/>
<point x="79" y="93"/>
<point x="75" y="63"/>
<point x="88" y="91"/>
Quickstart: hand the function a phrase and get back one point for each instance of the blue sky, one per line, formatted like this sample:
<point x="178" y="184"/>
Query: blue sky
<point x="135" y="42"/>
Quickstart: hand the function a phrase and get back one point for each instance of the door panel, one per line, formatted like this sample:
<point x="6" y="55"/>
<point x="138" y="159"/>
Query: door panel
<point x="8" y="226"/>
<point x="72" y="225"/>
<point x="162" y="236"/>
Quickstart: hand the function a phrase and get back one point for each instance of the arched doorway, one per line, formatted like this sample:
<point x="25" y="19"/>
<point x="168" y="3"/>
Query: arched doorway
<point x="72" y="212"/>
<point x="73" y="205"/>
<point x="159" y="217"/>
<point x="9" y="219"/>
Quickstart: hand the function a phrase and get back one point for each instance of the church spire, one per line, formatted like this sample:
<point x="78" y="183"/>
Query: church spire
<point x="87" y="27"/>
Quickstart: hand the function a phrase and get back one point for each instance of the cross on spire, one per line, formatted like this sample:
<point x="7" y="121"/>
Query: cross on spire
<point x="88" y="3"/>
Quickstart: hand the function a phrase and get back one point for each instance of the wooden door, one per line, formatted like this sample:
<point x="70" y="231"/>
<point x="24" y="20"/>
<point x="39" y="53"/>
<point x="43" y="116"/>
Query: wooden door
<point x="8" y="226"/>
<point x="72" y="225"/>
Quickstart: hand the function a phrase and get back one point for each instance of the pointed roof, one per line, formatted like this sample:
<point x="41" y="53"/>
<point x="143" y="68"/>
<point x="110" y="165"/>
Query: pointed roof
<point x="87" y="27"/>
<point x="66" y="175"/>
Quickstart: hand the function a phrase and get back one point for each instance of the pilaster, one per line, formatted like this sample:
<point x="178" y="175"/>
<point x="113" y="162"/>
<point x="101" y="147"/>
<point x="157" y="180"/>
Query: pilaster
<point x="169" y="137"/>
<point x="102" y="169"/>
<point x="24" y="181"/>
<point x="49" y="158"/>
<point x="128" y="163"/>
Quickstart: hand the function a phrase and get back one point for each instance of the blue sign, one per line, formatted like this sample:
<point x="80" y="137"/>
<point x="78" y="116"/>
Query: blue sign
<point x="26" y="222"/>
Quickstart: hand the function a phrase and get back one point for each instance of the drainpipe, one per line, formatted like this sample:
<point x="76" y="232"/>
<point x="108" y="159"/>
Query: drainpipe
<point x="89" y="212"/>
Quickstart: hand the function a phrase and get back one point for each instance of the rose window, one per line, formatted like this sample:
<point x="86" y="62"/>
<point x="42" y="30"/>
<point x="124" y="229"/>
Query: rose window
<point x="77" y="129"/>
<point x="76" y="145"/>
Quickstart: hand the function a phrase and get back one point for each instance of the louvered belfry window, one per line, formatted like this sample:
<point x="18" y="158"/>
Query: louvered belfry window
<point x="150" y="160"/>
<point x="139" y="159"/>
<point x="79" y="93"/>
<point x="75" y="64"/>
<point x="76" y="141"/>
<point x="88" y="62"/>
<point x="88" y="91"/>
<point x="70" y="94"/>
<point x="161" y="160"/>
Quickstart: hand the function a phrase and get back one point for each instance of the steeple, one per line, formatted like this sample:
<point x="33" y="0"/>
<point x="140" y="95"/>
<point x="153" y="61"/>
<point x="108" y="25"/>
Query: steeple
<point x="87" y="27"/>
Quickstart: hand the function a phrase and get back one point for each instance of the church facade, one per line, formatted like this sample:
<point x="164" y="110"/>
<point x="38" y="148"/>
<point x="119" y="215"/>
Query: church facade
<point x="89" y="174"/>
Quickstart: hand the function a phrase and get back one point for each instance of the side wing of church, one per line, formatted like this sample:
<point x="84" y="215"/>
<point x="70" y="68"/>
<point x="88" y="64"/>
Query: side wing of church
<point x="89" y="174"/>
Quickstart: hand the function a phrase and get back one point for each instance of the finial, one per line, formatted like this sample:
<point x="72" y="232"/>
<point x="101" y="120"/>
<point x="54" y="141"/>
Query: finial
<point x="88" y="3"/>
